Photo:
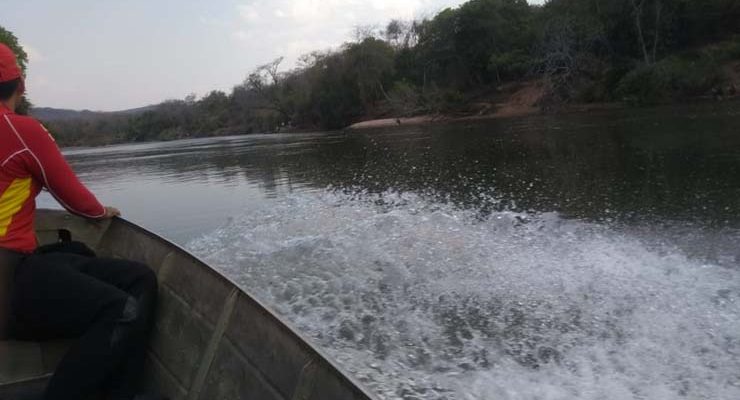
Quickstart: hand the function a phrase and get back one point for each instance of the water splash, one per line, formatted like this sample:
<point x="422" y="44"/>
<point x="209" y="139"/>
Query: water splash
<point x="422" y="300"/>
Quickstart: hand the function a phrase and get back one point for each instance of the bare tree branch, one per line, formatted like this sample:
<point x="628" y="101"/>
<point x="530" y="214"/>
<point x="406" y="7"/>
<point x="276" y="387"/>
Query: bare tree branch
<point x="658" y="12"/>
<point x="637" y="9"/>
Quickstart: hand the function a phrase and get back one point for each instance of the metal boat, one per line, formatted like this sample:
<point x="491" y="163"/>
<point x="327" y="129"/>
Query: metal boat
<point x="211" y="341"/>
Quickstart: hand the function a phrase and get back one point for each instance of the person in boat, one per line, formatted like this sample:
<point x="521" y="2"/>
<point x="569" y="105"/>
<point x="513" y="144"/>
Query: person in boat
<point x="64" y="291"/>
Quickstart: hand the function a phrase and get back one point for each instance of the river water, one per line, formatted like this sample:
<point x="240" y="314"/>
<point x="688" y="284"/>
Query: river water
<point x="574" y="257"/>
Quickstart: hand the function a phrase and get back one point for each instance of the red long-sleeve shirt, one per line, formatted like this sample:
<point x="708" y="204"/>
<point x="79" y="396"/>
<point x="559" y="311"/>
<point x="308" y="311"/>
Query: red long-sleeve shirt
<point x="29" y="161"/>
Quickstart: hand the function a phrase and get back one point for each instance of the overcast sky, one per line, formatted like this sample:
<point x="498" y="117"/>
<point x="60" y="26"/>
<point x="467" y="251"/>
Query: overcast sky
<point x="113" y="55"/>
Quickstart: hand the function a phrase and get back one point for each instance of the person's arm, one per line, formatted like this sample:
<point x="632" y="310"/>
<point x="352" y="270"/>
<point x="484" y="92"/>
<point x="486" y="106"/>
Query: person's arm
<point x="47" y="164"/>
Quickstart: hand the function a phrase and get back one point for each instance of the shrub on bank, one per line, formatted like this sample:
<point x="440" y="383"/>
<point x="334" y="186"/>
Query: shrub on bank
<point x="689" y="74"/>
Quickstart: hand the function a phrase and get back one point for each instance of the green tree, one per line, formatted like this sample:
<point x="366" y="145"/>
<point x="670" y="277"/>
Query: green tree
<point x="493" y="29"/>
<point x="212" y="113"/>
<point x="370" y="65"/>
<point x="9" y="39"/>
<point x="437" y="60"/>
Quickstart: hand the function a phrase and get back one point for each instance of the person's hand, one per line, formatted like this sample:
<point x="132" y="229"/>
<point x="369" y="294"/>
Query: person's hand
<point x="111" y="212"/>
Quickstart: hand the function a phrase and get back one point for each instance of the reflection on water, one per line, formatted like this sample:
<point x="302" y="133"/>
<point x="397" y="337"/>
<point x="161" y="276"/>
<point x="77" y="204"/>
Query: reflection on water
<point x="677" y="164"/>
<point x="578" y="257"/>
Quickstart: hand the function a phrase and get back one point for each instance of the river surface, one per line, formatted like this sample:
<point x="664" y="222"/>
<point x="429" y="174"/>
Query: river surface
<point x="574" y="257"/>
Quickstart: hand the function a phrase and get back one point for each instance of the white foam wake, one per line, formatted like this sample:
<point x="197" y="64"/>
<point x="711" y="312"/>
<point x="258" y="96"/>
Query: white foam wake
<point x="425" y="301"/>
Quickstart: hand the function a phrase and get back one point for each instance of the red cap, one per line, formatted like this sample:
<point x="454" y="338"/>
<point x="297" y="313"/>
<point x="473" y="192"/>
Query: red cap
<point x="9" y="68"/>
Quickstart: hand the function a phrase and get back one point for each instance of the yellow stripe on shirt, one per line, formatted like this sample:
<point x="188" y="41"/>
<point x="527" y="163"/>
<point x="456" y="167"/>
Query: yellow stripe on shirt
<point x="12" y="201"/>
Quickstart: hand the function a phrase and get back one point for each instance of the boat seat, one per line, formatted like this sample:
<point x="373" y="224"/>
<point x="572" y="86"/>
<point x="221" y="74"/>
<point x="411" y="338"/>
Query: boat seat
<point x="25" y="367"/>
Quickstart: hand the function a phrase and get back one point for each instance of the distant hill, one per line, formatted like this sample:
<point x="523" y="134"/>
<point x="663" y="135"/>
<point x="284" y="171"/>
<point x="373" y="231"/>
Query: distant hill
<point x="60" y="114"/>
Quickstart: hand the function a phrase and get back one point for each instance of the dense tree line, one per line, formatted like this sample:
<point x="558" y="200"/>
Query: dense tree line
<point x="638" y="51"/>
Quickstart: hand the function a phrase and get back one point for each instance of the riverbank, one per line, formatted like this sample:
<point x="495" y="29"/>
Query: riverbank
<point x="519" y="112"/>
<point x="510" y="101"/>
<point x="517" y="101"/>
<point x="513" y="100"/>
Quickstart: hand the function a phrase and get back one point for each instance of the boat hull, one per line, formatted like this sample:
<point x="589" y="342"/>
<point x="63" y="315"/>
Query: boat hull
<point x="211" y="340"/>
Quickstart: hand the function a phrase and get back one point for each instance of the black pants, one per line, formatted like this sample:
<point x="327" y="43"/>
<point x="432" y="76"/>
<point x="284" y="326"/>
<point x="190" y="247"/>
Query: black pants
<point x="107" y="304"/>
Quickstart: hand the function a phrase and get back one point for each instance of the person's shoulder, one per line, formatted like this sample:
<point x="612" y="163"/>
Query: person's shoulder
<point x="25" y="121"/>
<point x="28" y="127"/>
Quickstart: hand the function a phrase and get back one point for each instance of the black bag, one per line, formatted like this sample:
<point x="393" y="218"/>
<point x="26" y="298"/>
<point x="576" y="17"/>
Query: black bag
<point x="67" y="247"/>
